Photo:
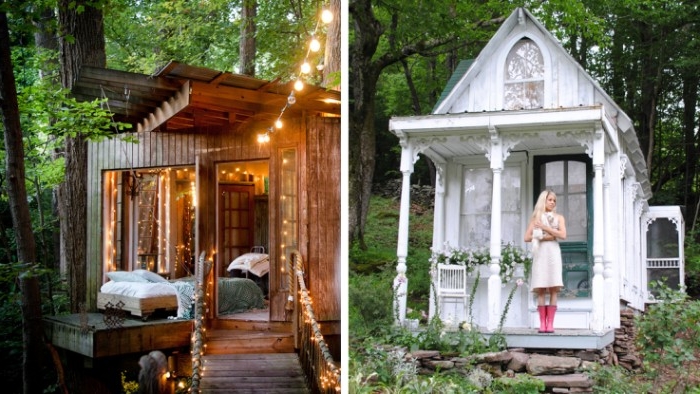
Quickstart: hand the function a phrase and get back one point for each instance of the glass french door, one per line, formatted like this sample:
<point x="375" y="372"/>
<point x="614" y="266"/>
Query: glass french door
<point x="570" y="177"/>
<point x="236" y="221"/>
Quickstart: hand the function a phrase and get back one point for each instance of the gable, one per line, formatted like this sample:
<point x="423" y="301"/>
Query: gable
<point x="481" y="87"/>
<point x="482" y="84"/>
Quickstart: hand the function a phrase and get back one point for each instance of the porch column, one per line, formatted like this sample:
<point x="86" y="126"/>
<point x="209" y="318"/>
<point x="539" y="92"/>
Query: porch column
<point x="401" y="281"/>
<point x="439" y="223"/>
<point x="494" y="285"/>
<point x="612" y="189"/>
<point x="598" y="290"/>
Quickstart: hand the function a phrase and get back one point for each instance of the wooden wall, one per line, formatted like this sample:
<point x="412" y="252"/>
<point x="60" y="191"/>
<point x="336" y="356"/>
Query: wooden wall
<point x="317" y="141"/>
<point x="323" y="177"/>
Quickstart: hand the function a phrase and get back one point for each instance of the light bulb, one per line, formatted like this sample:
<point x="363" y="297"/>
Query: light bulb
<point x="298" y="85"/>
<point x="305" y="68"/>
<point x="278" y="124"/>
<point x="291" y="100"/>
<point x="326" y="16"/>
<point x="315" y="45"/>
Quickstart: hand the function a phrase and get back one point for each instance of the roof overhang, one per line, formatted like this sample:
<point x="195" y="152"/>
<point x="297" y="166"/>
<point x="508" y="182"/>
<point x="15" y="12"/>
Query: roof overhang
<point x="186" y="98"/>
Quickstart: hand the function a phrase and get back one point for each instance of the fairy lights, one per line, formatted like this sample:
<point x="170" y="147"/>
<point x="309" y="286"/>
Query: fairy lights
<point x="305" y="69"/>
<point x="328" y="373"/>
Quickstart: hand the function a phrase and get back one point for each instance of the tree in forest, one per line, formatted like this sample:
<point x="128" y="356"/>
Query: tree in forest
<point x="247" y="42"/>
<point x="17" y="192"/>
<point x="81" y="43"/>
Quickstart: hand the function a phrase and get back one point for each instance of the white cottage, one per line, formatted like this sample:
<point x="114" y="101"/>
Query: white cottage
<point x="524" y="116"/>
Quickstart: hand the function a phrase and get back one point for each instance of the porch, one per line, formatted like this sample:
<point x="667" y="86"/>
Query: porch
<point x="572" y="339"/>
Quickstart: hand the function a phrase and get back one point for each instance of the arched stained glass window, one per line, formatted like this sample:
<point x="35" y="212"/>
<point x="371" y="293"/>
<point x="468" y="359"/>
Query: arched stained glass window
<point x="524" y="76"/>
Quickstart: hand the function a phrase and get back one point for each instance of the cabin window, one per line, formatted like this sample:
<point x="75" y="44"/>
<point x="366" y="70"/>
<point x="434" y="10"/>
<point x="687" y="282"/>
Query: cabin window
<point x="570" y="177"/>
<point x="475" y="223"/>
<point x="524" y="77"/>
<point x="663" y="254"/>
<point x="288" y="210"/>
<point x="148" y="220"/>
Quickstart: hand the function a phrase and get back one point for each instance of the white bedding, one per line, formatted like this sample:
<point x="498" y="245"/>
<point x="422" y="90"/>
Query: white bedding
<point x="138" y="289"/>
<point x="184" y="291"/>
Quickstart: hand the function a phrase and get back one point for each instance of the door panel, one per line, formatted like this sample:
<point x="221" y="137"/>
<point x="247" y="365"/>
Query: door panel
<point x="570" y="177"/>
<point x="236" y="224"/>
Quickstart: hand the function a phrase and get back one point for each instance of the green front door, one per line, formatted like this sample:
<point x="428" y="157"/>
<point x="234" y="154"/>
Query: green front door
<point x="570" y="177"/>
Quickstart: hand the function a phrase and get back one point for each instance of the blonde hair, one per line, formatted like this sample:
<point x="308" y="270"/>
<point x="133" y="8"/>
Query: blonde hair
<point x="540" y="204"/>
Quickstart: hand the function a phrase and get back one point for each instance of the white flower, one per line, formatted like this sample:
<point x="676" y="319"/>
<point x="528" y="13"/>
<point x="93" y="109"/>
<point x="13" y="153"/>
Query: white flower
<point x="466" y="326"/>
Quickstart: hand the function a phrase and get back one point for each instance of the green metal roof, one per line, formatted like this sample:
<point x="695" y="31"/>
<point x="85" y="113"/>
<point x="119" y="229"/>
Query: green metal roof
<point x="459" y="72"/>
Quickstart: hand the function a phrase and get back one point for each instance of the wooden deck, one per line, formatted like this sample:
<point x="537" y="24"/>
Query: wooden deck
<point x="253" y="373"/>
<point x="90" y="336"/>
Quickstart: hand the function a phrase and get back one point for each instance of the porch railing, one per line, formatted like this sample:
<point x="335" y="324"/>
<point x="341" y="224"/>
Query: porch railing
<point x="198" y="330"/>
<point x="321" y="370"/>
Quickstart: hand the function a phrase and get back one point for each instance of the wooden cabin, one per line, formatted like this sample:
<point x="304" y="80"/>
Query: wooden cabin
<point x="193" y="177"/>
<point x="522" y="117"/>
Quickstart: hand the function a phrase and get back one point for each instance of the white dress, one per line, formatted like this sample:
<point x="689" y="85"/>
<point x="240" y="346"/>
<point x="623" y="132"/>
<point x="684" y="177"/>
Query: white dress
<point x="546" y="261"/>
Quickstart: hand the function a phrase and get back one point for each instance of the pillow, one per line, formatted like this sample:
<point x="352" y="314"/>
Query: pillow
<point x="247" y="260"/>
<point x="125" y="276"/>
<point x="149" y="276"/>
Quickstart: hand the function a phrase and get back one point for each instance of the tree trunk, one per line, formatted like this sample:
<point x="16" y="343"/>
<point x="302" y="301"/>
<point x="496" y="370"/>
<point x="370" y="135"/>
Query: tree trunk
<point x="86" y="49"/>
<point x="45" y="39"/>
<point x="14" y="152"/>
<point x="247" y="41"/>
<point x="32" y="334"/>
<point x="364" y="75"/>
<point x="331" y="59"/>
<point x="690" y="101"/>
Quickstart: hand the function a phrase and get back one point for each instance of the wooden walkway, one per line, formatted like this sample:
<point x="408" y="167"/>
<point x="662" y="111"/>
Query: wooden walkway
<point x="253" y="373"/>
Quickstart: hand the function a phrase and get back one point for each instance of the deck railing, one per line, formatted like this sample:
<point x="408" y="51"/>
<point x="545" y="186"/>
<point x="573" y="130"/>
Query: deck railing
<point x="198" y="329"/>
<point x="322" y="372"/>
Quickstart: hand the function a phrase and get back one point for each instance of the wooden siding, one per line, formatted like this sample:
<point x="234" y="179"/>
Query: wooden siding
<point x="323" y="177"/>
<point x="317" y="142"/>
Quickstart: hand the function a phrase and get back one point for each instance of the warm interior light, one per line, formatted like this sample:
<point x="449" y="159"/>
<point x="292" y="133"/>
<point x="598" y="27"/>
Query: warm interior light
<point x="326" y="16"/>
<point x="298" y="85"/>
<point x="306" y="68"/>
<point x="278" y="124"/>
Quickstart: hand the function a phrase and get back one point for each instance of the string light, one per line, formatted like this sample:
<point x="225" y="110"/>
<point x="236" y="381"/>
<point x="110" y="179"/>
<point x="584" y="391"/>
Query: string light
<point x="326" y="17"/>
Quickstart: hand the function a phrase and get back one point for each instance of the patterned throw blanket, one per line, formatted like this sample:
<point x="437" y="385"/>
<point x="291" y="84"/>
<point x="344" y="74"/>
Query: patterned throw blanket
<point x="235" y="295"/>
<point x="239" y="295"/>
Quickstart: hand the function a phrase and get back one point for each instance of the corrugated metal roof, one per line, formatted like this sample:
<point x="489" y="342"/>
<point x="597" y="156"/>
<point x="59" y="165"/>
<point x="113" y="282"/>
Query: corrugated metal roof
<point x="459" y="72"/>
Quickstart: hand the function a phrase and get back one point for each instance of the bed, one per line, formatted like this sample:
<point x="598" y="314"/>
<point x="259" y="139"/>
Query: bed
<point x="143" y="292"/>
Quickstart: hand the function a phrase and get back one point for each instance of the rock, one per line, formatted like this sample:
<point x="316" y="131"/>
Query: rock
<point x="493" y="357"/>
<point x="551" y="365"/>
<point x="442" y="365"/>
<point x="421" y="354"/>
<point x="568" y="381"/>
<point x="518" y="361"/>
<point x="587" y="355"/>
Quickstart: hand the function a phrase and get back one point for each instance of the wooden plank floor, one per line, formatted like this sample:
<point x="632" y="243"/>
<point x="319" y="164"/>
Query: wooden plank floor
<point x="253" y="373"/>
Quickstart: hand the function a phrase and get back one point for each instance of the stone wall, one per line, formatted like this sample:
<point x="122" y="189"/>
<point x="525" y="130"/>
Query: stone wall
<point x="562" y="371"/>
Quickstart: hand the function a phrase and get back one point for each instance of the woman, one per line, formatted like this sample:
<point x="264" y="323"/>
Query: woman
<point x="546" y="226"/>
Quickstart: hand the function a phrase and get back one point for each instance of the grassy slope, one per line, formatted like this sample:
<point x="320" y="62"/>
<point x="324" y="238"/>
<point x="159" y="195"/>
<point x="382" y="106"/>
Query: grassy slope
<point x="378" y="262"/>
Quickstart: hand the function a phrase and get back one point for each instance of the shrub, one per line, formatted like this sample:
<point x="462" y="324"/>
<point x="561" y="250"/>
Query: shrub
<point x="669" y="336"/>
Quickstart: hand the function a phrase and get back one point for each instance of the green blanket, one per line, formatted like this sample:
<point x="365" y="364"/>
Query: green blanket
<point x="235" y="294"/>
<point x="239" y="295"/>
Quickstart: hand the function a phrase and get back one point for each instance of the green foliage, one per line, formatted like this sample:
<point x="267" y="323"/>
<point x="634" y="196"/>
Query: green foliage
<point x="520" y="384"/>
<point x="128" y="386"/>
<point x="669" y="335"/>
<point x="207" y="34"/>
<point x="614" y="380"/>
<point x="371" y="303"/>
